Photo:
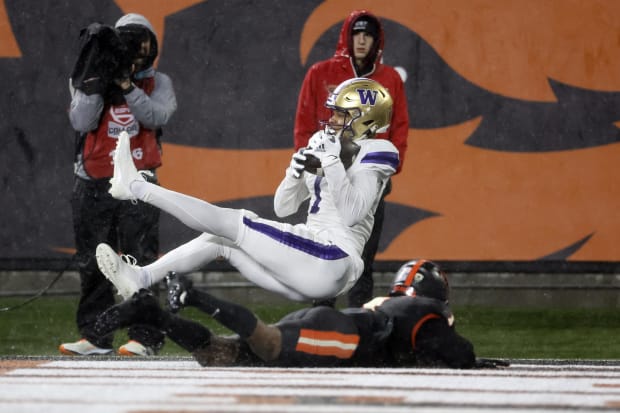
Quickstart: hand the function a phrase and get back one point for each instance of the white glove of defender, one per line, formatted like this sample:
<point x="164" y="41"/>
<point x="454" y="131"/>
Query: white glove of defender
<point x="325" y="145"/>
<point x="296" y="168"/>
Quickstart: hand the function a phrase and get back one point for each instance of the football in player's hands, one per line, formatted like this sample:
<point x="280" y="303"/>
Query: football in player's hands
<point x="348" y="151"/>
<point x="312" y="164"/>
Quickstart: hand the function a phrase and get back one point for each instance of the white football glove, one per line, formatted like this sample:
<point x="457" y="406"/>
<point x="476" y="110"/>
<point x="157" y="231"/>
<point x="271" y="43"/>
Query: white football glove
<point x="296" y="168"/>
<point x="325" y="146"/>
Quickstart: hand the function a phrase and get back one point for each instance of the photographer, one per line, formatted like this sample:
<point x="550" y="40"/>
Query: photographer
<point x="115" y="88"/>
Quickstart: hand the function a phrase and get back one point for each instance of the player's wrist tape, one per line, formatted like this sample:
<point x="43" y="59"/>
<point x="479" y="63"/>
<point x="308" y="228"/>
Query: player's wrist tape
<point x="329" y="160"/>
<point x="293" y="173"/>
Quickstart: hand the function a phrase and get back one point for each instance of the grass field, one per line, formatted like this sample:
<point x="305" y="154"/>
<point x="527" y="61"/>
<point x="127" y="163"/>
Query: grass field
<point x="39" y="327"/>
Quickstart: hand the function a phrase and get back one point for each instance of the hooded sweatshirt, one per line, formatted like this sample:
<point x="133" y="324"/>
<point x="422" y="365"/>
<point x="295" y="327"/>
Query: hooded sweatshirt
<point x="141" y="111"/>
<point x="323" y="77"/>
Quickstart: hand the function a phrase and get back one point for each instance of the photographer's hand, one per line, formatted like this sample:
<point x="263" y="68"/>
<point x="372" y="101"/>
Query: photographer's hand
<point x="125" y="83"/>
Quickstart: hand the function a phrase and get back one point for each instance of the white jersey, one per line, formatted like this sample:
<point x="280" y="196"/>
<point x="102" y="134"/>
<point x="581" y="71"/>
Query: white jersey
<point x="318" y="259"/>
<point x="343" y="203"/>
<point x="315" y="260"/>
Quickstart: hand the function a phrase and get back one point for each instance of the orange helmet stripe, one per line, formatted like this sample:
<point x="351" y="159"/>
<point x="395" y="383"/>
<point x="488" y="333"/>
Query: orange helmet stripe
<point x="412" y="272"/>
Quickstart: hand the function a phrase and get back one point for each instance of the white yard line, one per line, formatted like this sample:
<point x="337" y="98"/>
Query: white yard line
<point x="111" y="386"/>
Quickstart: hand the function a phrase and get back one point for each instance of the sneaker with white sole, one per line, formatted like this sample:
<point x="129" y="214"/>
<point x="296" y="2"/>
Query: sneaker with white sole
<point x="135" y="348"/>
<point x="122" y="271"/>
<point x="82" y="347"/>
<point x="125" y="171"/>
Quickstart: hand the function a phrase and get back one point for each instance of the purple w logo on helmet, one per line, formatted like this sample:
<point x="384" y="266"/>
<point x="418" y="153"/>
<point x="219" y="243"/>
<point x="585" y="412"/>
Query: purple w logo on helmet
<point x="367" y="96"/>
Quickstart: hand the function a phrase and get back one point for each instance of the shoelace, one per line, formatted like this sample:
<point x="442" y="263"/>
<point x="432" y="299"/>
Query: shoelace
<point x="146" y="174"/>
<point x="129" y="259"/>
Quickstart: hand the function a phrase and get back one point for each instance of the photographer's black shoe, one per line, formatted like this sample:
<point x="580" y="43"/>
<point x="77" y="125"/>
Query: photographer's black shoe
<point x="141" y="308"/>
<point x="178" y="288"/>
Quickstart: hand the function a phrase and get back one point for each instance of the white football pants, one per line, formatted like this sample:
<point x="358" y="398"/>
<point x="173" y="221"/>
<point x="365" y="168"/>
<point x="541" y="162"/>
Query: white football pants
<point x="287" y="259"/>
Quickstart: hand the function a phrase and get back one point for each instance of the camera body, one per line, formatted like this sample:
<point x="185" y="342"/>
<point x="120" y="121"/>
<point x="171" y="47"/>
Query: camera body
<point x="107" y="54"/>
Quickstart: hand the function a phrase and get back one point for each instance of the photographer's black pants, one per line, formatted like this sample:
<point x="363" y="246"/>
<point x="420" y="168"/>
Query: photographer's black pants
<point x="132" y="229"/>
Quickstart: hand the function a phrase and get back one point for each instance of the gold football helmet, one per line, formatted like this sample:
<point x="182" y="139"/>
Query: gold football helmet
<point x="367" y="105"/>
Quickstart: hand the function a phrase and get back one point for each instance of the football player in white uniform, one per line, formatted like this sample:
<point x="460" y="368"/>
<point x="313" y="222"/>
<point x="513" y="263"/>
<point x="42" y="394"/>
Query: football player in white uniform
<point x="316" y="260"/>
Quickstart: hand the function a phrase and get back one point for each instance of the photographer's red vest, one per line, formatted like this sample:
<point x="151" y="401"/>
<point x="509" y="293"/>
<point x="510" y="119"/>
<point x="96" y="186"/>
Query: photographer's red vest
<point x="99" y="145"/>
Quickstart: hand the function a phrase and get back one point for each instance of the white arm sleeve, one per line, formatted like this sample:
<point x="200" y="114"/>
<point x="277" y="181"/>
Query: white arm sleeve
<point x="290" y="194"/>
<point x="355" y="195"/>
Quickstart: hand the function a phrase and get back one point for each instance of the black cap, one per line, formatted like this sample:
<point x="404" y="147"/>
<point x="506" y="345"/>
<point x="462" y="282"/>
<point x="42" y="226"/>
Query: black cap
<point x="368" y="25"/>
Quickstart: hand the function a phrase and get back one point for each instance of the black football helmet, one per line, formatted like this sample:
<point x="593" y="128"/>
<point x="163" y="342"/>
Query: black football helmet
<point x="421" y="278"/>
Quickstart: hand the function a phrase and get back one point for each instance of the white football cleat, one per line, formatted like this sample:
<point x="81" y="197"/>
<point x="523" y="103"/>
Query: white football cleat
<point x="122" y="271"/>
<point x="135" y="348"/>
<point x="125" y="171"/>
<point x="82" y="347"/>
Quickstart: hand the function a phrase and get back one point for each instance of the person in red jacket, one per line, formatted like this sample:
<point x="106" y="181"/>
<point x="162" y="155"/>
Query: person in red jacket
<point x="358" y="54"/>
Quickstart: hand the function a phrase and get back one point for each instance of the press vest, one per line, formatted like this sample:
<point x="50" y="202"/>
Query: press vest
<point x="99" y="144"/>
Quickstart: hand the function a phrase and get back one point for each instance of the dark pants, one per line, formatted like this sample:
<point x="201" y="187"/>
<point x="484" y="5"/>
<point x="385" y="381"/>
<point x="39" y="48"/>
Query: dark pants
<point x="314" y="322"/>
<point x="131" y="229"/>
<point x="362" y="291"/>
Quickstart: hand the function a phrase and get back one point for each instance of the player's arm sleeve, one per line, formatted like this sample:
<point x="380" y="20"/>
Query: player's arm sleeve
<point x="306" y="122"/>
<point x="288" y="197"/>
<point x="155" y="110"/>
<point x="439" y="342"/>
<point x="399" y="125"/>
<point x="85" y="111"/>
<point x="355" y="194"/>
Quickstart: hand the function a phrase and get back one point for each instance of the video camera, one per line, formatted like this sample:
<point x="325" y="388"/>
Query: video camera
<point x="106" y="54"/>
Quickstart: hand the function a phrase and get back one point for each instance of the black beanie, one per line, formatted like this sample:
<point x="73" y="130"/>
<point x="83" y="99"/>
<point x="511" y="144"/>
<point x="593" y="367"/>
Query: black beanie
<point x="366" y="24"/>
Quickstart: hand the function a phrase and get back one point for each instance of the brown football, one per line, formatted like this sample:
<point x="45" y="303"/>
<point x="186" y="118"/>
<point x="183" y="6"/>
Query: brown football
<point x="311" y="164"/>
<point x="348" y="151"/>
